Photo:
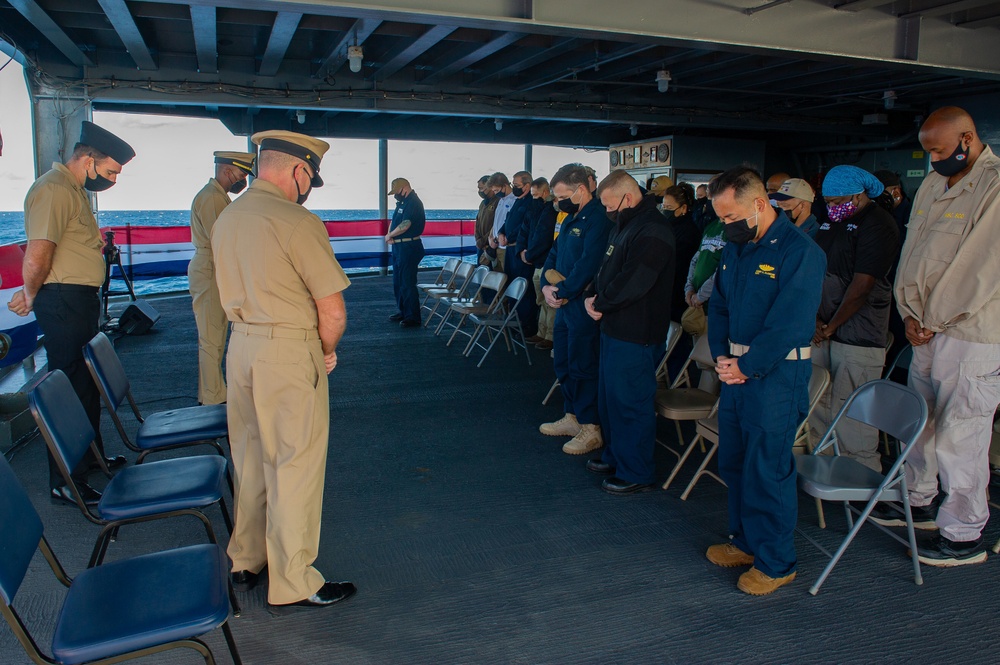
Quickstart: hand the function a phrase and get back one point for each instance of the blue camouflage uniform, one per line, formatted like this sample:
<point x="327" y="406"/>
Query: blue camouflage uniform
<point x="407" y="251"/>
<point x="766" y="296"/>
<point x="576" y="339"/>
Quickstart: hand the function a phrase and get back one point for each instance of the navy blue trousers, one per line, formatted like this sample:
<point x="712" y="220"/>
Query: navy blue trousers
<point x="757" y="423"/>
<point x="576" y="346"/>
<point x="626" y="395"/>
<point x="527" y="309"/>
<point x="405" y="261"/>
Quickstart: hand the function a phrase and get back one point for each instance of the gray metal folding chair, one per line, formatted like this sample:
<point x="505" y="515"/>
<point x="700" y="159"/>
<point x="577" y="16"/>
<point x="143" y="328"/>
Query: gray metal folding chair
<point x="504" y="325"/>
<point x="892" y="408"/>
<point x="458" y="287"/>
<point x="492" y="283"/>
<point x="473" y="294"/>
<point x="444" y="279"/>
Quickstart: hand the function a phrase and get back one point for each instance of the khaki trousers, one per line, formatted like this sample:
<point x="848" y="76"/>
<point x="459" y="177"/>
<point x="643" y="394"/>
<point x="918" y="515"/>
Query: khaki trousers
<point x="212" y="325"/>
<point x="849" y="367"/>
<point x="961" y="383"/>
<point x="279" y="424"/>
<point x="546" y="315"/>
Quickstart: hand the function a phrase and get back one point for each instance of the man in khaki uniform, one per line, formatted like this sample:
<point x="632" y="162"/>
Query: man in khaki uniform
<point x="280" y="286"/>
<point x="949" y="298"/>
<point x="231" y="171"/>
<point x="63" y="272"/>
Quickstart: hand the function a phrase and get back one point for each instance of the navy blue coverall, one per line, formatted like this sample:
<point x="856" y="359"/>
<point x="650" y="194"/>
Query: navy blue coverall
<point x="523" y="213"/>
<point x="407" y="250"/>
<point x="577" y="254"/>
<point x="766" y="296"/>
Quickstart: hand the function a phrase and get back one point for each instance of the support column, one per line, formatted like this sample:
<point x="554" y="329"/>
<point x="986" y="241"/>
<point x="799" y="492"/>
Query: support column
<point x="383" y="187"/>
<point x="527" y="157"/>
<point x="56" y="120"/>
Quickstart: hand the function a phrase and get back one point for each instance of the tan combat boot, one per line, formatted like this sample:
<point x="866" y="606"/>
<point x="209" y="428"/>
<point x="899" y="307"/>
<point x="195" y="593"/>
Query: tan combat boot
<point x="588" y="439"/>
<point x="757" y="583"/>
<point x="565" y="426"/>
<point x="728" y="555"/>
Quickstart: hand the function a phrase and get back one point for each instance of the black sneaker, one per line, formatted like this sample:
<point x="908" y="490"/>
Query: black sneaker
<point x="396" y="318"/>
<point x="887" y="514"/>
<point x="947" y="553"/>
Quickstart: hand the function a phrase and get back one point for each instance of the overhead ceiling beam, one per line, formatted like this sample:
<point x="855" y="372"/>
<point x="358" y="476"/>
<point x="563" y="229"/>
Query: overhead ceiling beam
<point x="948" y="8"/>
<point x="981" y="23"/>
<point x="486" y="50"/>
<point x="206" y="39"/>
<point x="124" y="24"/>
<point x="45" y="25"/>
<point x="416" y="48"/>
<point x="624" y="52"/>
<point x="858" y="5"/>
<point x="356" y="34"/>
<point x="558" y="48"/>
<point x="282" y="31"/>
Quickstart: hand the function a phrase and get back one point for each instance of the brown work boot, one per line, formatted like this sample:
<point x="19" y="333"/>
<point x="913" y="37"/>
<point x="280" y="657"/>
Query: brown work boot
<point x="565" y="426"/>
<point x="728" y="555"/>
<point x="757" y="583"/>
<point x="588" y="439"/>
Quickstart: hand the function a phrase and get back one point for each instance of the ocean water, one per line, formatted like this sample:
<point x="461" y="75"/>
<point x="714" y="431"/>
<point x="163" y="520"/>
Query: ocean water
<point x="12" y="230"/>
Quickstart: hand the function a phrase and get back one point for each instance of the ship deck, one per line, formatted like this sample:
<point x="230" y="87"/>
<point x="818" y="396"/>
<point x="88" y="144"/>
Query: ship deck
<point x="473" y="539"/>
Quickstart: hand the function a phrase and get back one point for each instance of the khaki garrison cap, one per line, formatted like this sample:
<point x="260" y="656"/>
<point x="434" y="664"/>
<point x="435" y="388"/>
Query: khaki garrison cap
<point x="397" y="185"/>
<point x="794" y="188"/>
<point x="660" y="185"/>
<point x="306" y="148"/>
<point x="244" y="160"/>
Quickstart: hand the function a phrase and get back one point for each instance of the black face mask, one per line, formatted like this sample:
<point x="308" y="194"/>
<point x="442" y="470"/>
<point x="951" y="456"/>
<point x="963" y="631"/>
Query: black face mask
<point x="483" y="195"/>
<point x="669" y="214"/>
<point x="399" y="198"/>
<point x="567" y="205"/>
<point x="518" y="191"/>
<point x="97" y="184"/>
<point x="954" y="164"/>
<point x="615" y="216"/>
<point x="301" y="198"/>
<point x="740" y="232"/>
<point x="238" y="186"/>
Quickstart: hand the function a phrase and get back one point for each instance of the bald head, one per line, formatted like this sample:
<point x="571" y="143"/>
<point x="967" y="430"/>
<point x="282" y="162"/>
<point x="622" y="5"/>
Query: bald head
<point x="774" y="182"/>
<point x="949" y="129"/>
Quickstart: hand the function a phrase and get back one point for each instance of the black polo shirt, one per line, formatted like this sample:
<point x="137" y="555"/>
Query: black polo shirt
<point x="865" y="243"/>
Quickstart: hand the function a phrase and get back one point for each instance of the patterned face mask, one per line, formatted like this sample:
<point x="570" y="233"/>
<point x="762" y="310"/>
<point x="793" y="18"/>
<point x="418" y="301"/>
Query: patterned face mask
<point x="841" y="211"/>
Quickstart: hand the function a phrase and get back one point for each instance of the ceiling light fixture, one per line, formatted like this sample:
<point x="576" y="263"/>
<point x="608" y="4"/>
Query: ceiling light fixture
<point x="889" y="99"/>
<point x="300" y="115"/>
<point x="355" y="54"/>
<point x="663" y="80"/>
<point x="633" y="129"/>
<point x="498" y="123"/>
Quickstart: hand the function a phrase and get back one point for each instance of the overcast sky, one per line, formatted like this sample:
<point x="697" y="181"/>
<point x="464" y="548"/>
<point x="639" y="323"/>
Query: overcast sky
<point x="174" y="160"/>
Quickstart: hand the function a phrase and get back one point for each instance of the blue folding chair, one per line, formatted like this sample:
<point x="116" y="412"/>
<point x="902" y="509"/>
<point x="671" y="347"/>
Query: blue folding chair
<point x="121" y="610"/>
<point x="165" y="430"/>
<point x="901" y="412"/>
<point x="140" y="493"/>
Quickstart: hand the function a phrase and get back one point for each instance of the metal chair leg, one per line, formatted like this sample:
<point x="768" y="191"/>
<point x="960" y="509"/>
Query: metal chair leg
<point x="680" y="462"/>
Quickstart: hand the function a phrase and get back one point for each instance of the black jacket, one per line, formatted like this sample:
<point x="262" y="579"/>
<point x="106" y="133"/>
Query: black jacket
<point x="687" y="240"/>
<point x="636" y="276"/>
<point x="537" y="235"/>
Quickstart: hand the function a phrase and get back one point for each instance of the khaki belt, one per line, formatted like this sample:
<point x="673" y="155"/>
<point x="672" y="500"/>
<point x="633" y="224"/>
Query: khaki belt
<point x="275" y="331"/>
<point x="801" y="353"/>
<point x="399" y="240"/>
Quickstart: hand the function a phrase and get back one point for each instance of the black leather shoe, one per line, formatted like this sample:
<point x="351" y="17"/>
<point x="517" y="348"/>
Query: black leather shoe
<point x="615" y="485"/>
<point x="116" y="462"/>
<point x="63" y="494"/>
<point x="328" y="594"/>
<point x="244" y="580"/>
<point x="407" y="323"/>
<point x="396" y="317"/>
<point x="597" y="465"/>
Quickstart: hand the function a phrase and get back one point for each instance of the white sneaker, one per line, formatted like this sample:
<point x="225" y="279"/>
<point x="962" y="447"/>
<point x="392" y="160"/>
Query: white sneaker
<point x="565" y="426"/>
<point x="588" y="439"/>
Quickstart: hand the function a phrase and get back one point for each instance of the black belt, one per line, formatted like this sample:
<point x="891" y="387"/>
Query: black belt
<point x="69" y="288"/>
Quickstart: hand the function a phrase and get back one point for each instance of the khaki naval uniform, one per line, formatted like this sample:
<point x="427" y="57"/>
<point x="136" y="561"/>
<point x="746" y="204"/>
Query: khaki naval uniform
<point x="209" y="316"/>
<point x="68" y="307"/>
<point x="273" y="261"/>
<point x="947" y="281"/>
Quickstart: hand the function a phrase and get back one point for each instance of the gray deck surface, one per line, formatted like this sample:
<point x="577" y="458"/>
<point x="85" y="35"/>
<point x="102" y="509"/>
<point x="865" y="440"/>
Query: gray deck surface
<point x="474" y="539"/>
